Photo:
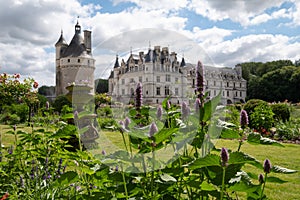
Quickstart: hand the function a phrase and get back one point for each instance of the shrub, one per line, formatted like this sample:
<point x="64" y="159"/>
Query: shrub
<point x="10" y="119"/>
<point x="60" y="101"/>
<point x="252" y="104"/>
<point x="262" y="118"/>
<point x="281" y="111"/>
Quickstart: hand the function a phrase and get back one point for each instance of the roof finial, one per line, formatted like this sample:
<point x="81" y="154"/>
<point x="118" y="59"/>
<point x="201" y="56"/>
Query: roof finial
<point x="131" y="50"/>
<point x="149" y="44"/>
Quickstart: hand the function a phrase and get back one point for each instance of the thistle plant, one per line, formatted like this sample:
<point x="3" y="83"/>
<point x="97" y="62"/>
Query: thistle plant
<point x="263" y="179"/>
<point x="224" y="164"/>
<point x="139" y="96"/>
<point x="244" y="121"/>
<point x="159" y="112"/>
<point x="185" y="110"/>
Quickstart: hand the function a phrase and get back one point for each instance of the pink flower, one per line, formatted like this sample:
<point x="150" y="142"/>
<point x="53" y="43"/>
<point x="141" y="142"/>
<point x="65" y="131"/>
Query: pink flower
<point x="153" y="129"/>
<point x="35" y="84"/>
<point x="17" y="75"/>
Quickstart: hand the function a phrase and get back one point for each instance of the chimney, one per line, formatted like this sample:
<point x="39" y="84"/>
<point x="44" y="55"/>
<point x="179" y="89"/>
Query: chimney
<point x="88" y="41"/>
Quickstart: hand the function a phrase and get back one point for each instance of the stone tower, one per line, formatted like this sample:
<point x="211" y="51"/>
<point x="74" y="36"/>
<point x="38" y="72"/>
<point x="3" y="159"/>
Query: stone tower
<point x="74" y="62"/>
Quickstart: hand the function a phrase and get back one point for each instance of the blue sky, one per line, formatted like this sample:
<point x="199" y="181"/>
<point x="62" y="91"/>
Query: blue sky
<point x="226" y="32"/>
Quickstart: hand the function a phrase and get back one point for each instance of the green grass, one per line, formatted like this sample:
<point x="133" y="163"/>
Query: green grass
<point x="287" y="156"/>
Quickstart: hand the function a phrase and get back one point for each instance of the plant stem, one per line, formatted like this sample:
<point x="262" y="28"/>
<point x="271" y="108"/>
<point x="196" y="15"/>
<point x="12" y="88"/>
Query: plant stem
<point x="124" y="183"/>
<point x="223" y="183"/>
<point x="152" y="173"/>
<point x="262" y="191"/>
<point x="124" y="141"/>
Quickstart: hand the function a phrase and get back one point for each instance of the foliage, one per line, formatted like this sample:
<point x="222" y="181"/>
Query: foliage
<point x="288" y="130"/>
<point x="252" y="104"/>
<point x="281" y="111"/>
<point x="20" y="111"/>
<point x="262" y="119"/>
<point x="47" y="90"/>
<point x="60" y="101"/>
<point x="41" y="165"/>
<point x="272" y="81"/>
<point x="101" y="86"/>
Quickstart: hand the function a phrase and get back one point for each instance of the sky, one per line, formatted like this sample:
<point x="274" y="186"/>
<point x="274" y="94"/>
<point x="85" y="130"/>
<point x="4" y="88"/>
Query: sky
<point x="217" y="32"/>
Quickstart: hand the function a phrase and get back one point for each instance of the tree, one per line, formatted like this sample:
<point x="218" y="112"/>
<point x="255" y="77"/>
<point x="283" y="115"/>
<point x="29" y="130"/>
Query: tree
<point x="101" y="86"/>
<point x="60" y="101"/>
<point x="14" y="91"/>
<point x="47" y="90"/>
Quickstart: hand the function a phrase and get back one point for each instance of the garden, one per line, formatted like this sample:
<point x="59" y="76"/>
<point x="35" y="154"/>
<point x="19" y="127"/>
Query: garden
<point x="196" y="150"/>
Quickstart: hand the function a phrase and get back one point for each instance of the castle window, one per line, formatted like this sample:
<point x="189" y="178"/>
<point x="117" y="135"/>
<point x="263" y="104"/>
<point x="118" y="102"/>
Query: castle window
<point x="123" y="91"/>
<point x="78" y="60"/>
<point x="167" y="90"/>
<point x="68" y="60"/>
<point x="176" y="80"/>
<point x="158" y="91"/>
<point x="168" y="78"/>
<point x="140" y="79"/>
<point x="176" y="91"/>
<point x="228" y="93"/>
<point x="157" y="79"/>
<point x="214" y="83"/>
<point x="227" y="84"/>
<point x="241" y="94"/>
<point x="193" y="83"/>
<point x="123" y="81"/>
<point x="240" y="85"/>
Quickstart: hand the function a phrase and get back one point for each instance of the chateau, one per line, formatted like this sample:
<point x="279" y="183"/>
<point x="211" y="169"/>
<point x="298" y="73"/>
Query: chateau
<point x="74" y="62"/>
<point x="162" y="74"/>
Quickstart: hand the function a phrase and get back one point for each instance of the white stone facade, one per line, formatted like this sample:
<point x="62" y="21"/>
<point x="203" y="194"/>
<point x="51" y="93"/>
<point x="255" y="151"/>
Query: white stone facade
<point x="74" y="61"/>
<point x="162" y="75"/>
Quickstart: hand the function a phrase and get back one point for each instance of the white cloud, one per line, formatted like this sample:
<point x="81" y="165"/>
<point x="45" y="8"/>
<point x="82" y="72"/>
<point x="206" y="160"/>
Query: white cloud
<point x="257" y="48"/>
<point x="165" y="5"/>
<point x="237" y="11"/>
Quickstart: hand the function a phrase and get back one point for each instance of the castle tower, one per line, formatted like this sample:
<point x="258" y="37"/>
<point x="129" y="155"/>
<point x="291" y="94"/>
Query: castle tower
<point x="74" y="62"/>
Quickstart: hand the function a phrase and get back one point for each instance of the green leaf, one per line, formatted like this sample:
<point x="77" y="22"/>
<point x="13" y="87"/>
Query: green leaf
<point x="167" y="178"/>
<point x="209" y="108"/>
<point x="275" y="179"/>
<point x="68" y="177"/>
<point x="256" y="138"/>
<point x="163" y="134"/>
<point x="207" y="186"/>
<point x="282" y="170"/>
<point x="207" y="161"/>
<point x="242" y="158"/>
<point x="68" y="116"/>
<point x="229" y="133"/>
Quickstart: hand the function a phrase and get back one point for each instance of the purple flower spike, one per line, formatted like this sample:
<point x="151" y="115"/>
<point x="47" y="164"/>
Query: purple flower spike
<point x="15" y="127"/>
<point x="197" y="105"/>
<point x="185" y="110"/>
<point x="127" y="122"/>
<point x="168" y="105"/>
<point x="200" y="80"/>
<point x="139" y="96"/>
<point x="47" y="105"/>
<point x="267" y="166"/>
<point x="261" y="178"/>
<point x="244" y="118"/>
<point x="159" y="112"/>
<point x="153" y="129"/>
<point x="103" y="152"/>
<point x="76" y="114"/>
<point x="224" y="157"/>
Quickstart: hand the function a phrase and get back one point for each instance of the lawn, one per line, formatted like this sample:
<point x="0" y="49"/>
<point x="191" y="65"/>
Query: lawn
<point x="287" y="156"/>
